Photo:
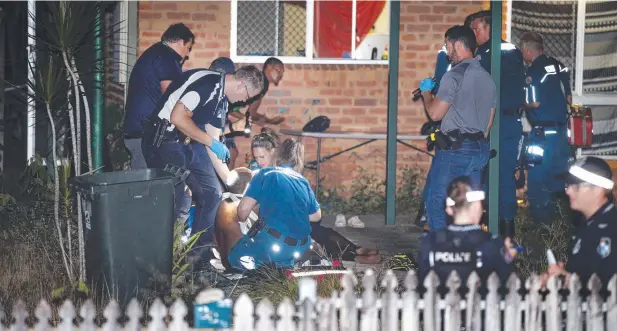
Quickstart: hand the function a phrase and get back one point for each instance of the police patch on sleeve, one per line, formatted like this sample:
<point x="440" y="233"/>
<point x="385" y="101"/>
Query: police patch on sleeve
<point x="604" y="247"/>
<point x="576" y="247"/>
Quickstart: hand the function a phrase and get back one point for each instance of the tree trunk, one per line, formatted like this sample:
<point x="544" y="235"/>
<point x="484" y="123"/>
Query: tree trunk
<point x="57" y="194"/>
<point x="75" y="161"/>
<point x="86" y="112"/>
<point x="77" y="156"/>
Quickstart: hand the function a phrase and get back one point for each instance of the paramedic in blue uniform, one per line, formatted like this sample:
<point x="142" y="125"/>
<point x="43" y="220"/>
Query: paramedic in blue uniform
<point x="589" y="185"/>
<point x="465" y="105"/>
<point x="192" y="104"/>
<point x="151" y="75"/>
<point x="287" y="205"/>
<point x="547" y="113"/>
<point x="512" y="99"/>
<point x="463" y="246"/>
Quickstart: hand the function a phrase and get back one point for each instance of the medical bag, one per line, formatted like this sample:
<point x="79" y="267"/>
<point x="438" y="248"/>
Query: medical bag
<point x="580" y="126"/>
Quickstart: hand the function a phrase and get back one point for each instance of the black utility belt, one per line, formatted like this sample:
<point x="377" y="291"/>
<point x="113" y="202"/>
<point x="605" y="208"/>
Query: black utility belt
<point x="133" y="135"/>
<point x="451" y="140"/>
<point x="177" y="136"/>
<point x="288" y="240"/>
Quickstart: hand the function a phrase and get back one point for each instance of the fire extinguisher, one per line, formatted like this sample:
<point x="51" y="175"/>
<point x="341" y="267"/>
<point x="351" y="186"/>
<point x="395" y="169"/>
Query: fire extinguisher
<point x="580" y="126"/>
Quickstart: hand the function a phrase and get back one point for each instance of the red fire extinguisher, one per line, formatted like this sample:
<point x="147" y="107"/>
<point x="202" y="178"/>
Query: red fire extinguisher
<point x="580" y="126"/>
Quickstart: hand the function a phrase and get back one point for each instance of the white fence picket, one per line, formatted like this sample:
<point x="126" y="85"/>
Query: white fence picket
<point x="411" y="314"/>
<point x="378" y="312"/>
<point x="20" y="313"/>
<point x="43" y="315"/>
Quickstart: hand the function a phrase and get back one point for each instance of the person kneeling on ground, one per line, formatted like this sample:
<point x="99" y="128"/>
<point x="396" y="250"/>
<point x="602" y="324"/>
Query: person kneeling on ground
<point x="264" y="147"/>
<point x="287" y="205"/>
<point x="463" y="246"/>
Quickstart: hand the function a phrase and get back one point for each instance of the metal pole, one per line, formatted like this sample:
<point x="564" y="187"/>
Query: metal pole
<point x="97" y="116"/>
<point x="318" y="167"/>
<point x="395" y="18"/>
<point x="31" y="51"/>
<point x="493" y="210"/>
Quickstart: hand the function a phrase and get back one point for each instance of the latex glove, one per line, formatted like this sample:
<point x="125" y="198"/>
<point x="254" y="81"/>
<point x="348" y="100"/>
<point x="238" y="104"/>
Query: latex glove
<point x="427" y="84"/>
<point x="219" y="149"/>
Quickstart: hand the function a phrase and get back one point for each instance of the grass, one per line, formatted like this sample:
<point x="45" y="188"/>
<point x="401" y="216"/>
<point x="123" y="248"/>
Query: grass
<point x="32" y="267"/>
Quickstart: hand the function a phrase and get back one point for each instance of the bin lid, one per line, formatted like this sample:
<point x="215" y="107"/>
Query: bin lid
<point x="122" y="177"/>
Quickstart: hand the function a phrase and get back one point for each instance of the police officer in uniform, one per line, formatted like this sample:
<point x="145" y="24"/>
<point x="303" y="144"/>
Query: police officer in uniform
<point x="512" y="99"/>
<point x="465" y="105"/>
<point x="589" y="184"/>
<point x="463" y="246"/>
<point x="185" y="132"/>
<point x="547" y="111"/>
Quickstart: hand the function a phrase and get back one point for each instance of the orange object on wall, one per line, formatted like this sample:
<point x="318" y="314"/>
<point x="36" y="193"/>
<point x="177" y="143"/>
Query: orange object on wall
<point x="332" y="34"/>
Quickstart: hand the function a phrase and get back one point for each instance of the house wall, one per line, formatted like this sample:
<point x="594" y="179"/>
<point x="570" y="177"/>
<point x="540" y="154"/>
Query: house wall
<point x="354" y="97"/>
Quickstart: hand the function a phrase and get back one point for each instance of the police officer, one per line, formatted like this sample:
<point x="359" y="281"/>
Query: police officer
<point x="589" y="184"/>
<point x="512" y="99"/>
<point x="547" y="113"/>
<point x="151" y="75"/>
<point x="176" y="136"/>
<point x="442" y="65"/>
<point x="465" y="105"/>
<point x="463" y="246"/>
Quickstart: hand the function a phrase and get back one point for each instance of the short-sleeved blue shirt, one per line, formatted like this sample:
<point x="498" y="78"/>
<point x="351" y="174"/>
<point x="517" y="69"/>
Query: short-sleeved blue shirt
<point x="202" y="92"/>
<point x="285" y="200"/>
<point x="158" y="63"/>
<point x="545" y="86"/>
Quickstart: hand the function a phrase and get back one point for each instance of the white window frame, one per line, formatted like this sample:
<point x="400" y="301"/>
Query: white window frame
<point x="121" y="28"/>
<point x="578" y="95"/>
<point x="308" y="58"/>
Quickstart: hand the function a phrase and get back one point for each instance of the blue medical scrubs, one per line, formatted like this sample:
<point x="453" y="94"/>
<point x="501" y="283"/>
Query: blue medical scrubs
<point x="285" y="201"/>
<point x="545" y="87"/>
<point x="512" y="98"/>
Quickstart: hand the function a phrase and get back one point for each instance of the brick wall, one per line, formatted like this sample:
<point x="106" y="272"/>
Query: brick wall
<point x="114" y="92"/>
<point x="354" y="97"/>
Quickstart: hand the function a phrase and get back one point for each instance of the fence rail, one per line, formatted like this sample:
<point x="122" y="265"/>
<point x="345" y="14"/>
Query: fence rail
<point x="381" y="306"/>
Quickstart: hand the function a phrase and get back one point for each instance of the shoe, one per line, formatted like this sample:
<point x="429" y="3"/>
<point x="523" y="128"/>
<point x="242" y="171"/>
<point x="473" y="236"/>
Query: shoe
<point x="355" y="222"/>
<point x="340" y="221"/>
<point x="402" y="262"/>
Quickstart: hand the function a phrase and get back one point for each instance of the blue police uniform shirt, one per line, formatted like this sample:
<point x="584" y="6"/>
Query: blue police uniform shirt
<point x="544" y="85"/>
<point x="285" y="200"/>
<point x="158" y="63"/>
<point x="441" y="67"/>
<point x="202" y="92"/>
<point x="512" y="94"/>
<point x="463" y="248"/>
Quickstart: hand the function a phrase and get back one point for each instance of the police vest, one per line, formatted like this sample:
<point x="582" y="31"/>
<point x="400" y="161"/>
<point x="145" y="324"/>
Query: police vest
<point x="452" y="251"/>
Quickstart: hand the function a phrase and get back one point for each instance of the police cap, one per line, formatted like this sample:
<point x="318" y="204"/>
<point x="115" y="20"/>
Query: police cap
<point x="224" y="65"/>
<point x="590" y="170"/>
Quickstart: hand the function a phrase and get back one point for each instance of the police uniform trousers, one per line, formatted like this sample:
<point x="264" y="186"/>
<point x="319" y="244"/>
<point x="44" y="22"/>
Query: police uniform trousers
<point x="202" y="181"/>
<point x="542" y="183"/>
<point x="510" y="137"/>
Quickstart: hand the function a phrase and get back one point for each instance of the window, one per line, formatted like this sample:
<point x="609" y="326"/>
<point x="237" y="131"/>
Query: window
<point x="260" y="29"/>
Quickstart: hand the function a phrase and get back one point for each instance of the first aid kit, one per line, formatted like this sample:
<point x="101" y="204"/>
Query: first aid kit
<point x="580" y="126"/>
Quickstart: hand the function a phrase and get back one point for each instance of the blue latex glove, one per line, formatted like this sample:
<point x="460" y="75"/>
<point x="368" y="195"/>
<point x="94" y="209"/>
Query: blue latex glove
<point x="427" y="84"/>
<point x="219" y="149"/>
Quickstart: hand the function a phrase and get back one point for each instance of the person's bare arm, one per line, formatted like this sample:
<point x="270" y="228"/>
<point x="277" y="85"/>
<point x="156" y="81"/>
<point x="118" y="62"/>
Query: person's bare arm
<point x="315" y="217"/>
<point x="244" y="208"/>
<point x="181" y="119"/>
<point x="165" y="85"/>
<point x="259" y="118"/>
<point x="221" y="168"/>
<point x="490" y="122"/>
<point x="436" y="107"/>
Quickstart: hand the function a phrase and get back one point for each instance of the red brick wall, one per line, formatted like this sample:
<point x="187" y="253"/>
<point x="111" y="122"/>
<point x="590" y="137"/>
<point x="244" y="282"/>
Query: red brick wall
<point x="354" y="97"/>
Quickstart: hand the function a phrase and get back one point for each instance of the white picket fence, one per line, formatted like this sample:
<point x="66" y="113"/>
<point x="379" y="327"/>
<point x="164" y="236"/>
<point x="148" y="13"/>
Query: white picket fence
<point x="377" y="308"/>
